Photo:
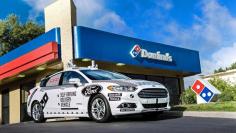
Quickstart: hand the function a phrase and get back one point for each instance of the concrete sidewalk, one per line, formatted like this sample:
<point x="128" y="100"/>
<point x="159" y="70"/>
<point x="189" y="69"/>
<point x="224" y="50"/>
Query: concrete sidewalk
<point x="209" y="114"/>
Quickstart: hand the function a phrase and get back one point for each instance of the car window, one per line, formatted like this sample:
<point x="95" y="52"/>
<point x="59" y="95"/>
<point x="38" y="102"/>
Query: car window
<point x="103" y="75"/>
<point x="71" y="74"/>
<point x="54" y="80"/>
<point x="43" y="82"/>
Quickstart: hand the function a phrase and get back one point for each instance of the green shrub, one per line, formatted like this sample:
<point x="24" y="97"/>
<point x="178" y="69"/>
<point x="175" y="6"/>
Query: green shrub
<point x="220" y="84"/>
<point x="188" y="97"/>
<point x="228" y="91"/>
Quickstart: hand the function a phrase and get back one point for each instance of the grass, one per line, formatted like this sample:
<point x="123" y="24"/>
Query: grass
<point x="216" y="106"/>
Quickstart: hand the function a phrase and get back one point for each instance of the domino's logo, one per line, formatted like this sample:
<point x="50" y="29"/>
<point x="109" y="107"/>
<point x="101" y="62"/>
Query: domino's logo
<point x="135" y="51"/>
<point x="204" y="90"/>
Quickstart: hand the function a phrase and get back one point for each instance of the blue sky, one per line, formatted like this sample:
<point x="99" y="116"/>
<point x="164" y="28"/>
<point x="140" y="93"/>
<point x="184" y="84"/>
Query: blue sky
<point x="208" y="26"/>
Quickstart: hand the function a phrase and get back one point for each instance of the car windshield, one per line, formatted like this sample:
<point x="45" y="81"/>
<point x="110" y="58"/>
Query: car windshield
<point x="103" y="75"/>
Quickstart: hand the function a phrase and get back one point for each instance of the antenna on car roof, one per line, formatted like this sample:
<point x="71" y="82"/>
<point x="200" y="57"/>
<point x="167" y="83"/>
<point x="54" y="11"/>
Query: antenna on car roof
<point x="93" y="64"/>
<point x="70" y="64"/>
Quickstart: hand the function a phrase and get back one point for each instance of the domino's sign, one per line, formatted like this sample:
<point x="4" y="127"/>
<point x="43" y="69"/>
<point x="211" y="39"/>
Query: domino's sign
<point x="137" y="50"/>
<point x="204" y="90"/>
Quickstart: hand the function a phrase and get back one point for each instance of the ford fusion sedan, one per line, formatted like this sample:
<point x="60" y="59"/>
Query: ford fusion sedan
<point x="95" y="94"/>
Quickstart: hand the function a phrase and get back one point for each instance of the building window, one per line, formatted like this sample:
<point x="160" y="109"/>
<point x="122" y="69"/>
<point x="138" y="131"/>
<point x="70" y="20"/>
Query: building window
<point x="172" y="84"/>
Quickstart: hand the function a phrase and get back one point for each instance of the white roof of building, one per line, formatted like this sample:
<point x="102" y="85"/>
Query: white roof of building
<point x="220" y="74"/>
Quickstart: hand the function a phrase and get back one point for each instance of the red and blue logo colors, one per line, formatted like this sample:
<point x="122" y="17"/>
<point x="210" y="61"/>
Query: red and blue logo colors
<point x="207" y="94"/>
<point x="204" y="92"/>
<point x="198" y="87"/>
<point x="135" y="51"/>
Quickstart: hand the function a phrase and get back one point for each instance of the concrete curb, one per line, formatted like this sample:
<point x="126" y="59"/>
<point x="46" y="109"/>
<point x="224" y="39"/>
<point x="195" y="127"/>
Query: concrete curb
<point x="208" y="114"/>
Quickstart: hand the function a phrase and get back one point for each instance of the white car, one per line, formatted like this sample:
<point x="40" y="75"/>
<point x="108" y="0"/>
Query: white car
<point x="96" y="94"/>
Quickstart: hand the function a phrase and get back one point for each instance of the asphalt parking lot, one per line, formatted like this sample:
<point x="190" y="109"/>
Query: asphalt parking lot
<point x="134" y="124"/>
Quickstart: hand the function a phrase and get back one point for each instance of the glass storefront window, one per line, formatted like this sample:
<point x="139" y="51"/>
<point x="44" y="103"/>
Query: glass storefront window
<point x="172" y="84"/>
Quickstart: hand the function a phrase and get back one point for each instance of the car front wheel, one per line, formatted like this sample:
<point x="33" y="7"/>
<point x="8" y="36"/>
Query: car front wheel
<point x="37" y="113"/>
<point x="100" y="109"/>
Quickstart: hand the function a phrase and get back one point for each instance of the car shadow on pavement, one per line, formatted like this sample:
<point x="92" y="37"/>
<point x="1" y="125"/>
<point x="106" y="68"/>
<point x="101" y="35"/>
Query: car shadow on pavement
<point x="138" y="117"/>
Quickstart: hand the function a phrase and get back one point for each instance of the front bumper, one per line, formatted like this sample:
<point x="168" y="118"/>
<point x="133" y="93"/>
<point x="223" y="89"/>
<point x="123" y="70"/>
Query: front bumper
<point x="142" y="104"/>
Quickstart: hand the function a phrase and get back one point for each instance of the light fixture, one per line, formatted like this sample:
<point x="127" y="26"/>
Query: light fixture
<point x="120" y="64"/>
<point x="21" y="76"/>
<point x="86" y="59"/>
<point x="40" y="68"/>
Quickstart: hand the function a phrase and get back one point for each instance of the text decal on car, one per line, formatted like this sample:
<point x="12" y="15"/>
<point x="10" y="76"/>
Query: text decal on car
<point x="92" y="89"/>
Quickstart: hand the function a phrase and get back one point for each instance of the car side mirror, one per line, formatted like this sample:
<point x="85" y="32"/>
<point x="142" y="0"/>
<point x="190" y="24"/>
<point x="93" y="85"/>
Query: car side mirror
<point x="75" y="81"/>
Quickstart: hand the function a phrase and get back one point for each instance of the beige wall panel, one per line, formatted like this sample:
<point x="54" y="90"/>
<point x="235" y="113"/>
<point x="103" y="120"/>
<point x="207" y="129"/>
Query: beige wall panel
<point x="14" y="104"/>
<point x="62" y="13"/>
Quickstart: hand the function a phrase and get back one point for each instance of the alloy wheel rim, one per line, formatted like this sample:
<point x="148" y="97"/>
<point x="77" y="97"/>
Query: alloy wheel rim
<point x="98" y="109"/>
<point x="36" y="112"/>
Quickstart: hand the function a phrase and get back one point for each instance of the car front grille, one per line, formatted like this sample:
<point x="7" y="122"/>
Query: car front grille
<point x="153" y="93"/>
<point x="159" y="105"/>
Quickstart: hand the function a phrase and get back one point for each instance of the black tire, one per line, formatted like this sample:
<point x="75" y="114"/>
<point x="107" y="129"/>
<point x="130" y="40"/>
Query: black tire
<point x="107" y="115"/>
<point x="40" y="118"/>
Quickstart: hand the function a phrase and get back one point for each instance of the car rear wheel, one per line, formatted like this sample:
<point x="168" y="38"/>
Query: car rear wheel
<point x="100" y="109"/>
<point x="37" y="113"/>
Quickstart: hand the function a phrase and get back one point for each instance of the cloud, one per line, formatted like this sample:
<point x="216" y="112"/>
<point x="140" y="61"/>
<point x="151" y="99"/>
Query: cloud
<point x="212" y="33"/>
<point x="219" y="28"/>
<point x="112" y="22"/>
<point x="224" y="57"/>
<point x="90" y="13"/>
<point x="165" y="4"/>
<point x="37" y="7"/>
<point x="93" y="13"/>
<point x="213" y="28"/>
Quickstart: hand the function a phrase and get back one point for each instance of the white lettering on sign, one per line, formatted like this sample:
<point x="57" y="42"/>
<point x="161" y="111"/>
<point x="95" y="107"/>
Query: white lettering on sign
<point x="143" y="53"/>
<point x="156" y="56"/>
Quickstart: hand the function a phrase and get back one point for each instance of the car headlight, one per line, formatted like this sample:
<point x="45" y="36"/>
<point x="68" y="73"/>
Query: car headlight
<point x="122" y="88"/>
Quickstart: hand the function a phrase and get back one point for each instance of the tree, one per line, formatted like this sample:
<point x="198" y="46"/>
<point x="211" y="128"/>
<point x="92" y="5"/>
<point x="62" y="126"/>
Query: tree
<point x="188" y="96"/>
<point x="13" y="33"/>
<point x="228" y="91"/>
<point x="232" y="66"/>
<point x="219" y="70"/>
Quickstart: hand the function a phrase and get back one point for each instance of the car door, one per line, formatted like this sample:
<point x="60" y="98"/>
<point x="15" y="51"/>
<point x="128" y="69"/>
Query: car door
<point x="71" y="99"/>
<point x="50" y="95"/>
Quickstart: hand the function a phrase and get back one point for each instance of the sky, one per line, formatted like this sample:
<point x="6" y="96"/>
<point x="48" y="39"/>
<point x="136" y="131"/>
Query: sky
<point x="208" y="26"/>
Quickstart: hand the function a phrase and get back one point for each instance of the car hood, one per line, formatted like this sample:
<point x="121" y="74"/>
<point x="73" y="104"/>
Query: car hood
<point x="129" y="82"/>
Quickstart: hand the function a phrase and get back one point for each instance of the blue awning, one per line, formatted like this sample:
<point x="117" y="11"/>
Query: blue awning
<point x="109" y="47"/>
